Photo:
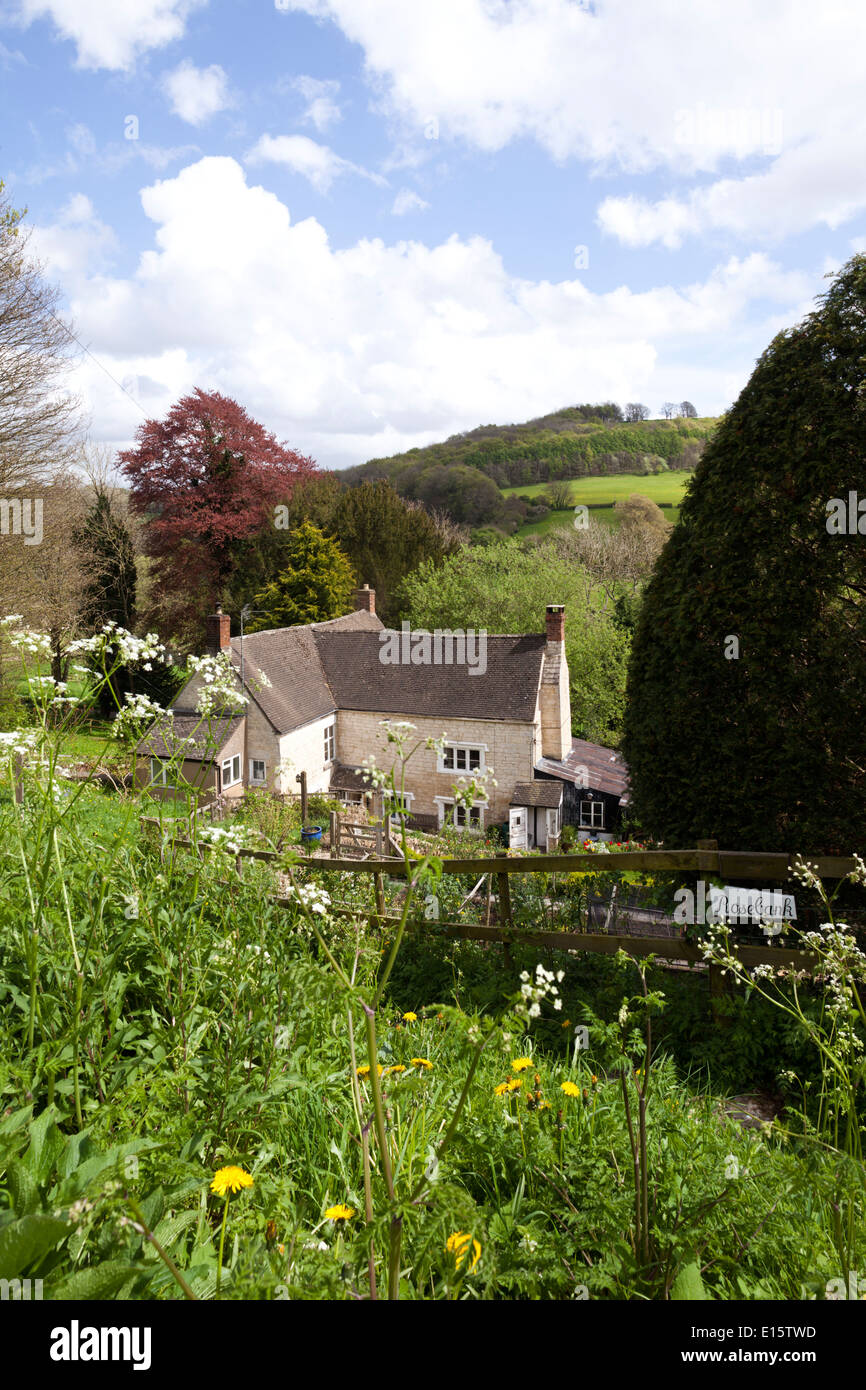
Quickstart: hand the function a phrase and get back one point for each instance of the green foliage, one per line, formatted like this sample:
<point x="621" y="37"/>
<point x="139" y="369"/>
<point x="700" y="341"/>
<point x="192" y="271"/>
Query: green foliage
<point x="763" y="749"/>
<point x="314" y="585"/>
<point x="383" y="536"/>
<point x="505" y="589"/>
<point x="578" y="442"/>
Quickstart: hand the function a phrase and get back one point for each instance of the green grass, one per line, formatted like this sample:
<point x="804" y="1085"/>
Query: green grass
<point x="168" y="1019"/>
<point x="661" y="487"/>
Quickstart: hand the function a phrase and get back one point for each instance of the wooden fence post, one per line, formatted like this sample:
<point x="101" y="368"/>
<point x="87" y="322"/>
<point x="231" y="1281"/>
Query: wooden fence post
<point x="302" y="778"/>
<point x="709" y="863"/>
<point x="380" y="894"/>
<point x="334" y="835"/>
<point x="505" y="918"/>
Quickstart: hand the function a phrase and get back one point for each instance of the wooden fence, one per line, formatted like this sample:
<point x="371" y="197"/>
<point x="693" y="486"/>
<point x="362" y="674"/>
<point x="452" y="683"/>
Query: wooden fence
<point x="706" y="858"/>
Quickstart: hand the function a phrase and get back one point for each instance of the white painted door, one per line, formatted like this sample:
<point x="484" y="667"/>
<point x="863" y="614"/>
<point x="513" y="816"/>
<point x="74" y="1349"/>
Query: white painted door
<point x="517" y="827"/>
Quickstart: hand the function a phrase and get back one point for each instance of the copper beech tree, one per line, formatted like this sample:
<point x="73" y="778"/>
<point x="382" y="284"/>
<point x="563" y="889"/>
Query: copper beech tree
<point x="204" y="480"/>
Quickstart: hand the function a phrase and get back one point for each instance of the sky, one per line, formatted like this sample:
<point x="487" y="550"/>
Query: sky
<point x="376" y="223"/>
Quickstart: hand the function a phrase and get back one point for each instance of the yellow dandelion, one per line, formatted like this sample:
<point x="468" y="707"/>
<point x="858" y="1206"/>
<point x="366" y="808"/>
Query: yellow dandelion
<point x="340" y="1213"/>
<point x="459" y="1245"/>
<point x="521" y="1063"/>
<point x="398" y="1068"/>
<point x="570" y="1089"/>
<point x="421" y="1062"/>
<point x="364" y="1071"/>
<point x="410" y="1018"/>
<point x="501" y="1089"/>
<point x="513" y="1083"/>
<point x="230" y="1179"/>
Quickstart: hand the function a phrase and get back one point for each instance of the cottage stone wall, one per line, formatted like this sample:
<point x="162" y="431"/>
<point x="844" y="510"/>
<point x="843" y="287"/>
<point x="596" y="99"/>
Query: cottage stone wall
<point x="511" y="750"/>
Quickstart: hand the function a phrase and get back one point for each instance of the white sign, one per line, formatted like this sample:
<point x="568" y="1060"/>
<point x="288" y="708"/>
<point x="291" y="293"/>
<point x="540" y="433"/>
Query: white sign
<point x="731" y="904"/>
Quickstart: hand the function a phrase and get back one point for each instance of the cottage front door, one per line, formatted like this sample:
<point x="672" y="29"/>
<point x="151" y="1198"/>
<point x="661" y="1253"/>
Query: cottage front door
<point x="517" y="827"/>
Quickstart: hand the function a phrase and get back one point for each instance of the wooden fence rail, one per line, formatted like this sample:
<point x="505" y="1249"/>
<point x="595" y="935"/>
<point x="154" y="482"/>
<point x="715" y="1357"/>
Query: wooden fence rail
<point x="727" y="864"/>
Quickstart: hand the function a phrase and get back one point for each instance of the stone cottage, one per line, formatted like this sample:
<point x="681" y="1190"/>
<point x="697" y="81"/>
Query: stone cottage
<point x="318" y="696"/>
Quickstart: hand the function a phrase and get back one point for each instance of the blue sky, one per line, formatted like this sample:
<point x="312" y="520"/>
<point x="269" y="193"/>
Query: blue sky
<point x="360" y="217"/>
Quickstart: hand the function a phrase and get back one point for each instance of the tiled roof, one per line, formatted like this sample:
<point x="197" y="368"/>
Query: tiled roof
<point x="349" y="779"/>
<point x="191" y="734"/>
<point x="590" y="765"/>
<point x="358" y="679"/>
<point x="289" y="658"/>
<point x="537" y="794"/>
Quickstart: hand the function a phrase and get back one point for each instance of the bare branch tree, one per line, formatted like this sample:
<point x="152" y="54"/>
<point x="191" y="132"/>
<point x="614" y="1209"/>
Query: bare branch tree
<point x="37" y="417"/>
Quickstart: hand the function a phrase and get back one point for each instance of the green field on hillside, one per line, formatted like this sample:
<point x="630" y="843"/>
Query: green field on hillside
<point x="601" y="494"/>
<point x="661" y="487"/>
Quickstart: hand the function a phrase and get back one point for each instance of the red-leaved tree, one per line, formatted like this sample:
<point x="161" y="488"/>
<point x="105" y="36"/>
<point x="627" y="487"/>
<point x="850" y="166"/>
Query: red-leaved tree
<point x="205" y="478"/>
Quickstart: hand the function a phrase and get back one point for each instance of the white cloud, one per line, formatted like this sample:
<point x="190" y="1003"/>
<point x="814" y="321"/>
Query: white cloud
<point x="196" y="94"/>
<point x="301" y="155"/>
<point x="821" y="181"/>
<point x="673" y="85"/>
<point x="77" y="248"/>
<point x="112" y="35"/>
<point x="322" y="109"/>
<point x="359" y="352"/>
<point x="408" y="201"/>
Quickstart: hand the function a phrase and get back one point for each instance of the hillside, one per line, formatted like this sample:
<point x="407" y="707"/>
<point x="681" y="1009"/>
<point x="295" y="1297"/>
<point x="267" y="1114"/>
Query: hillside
<point x="467" y="475"/>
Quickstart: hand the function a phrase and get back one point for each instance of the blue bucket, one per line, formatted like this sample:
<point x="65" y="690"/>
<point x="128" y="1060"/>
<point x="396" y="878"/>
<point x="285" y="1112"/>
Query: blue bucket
<point x="311" y="832"/>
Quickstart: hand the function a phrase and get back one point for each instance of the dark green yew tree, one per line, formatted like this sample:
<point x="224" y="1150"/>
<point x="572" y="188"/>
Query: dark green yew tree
<point x="746" y="714"/>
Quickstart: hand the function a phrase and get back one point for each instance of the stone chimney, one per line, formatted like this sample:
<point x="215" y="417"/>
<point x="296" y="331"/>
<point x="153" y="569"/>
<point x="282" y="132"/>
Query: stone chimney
<point x="218" y="632"/>
<point x="554" y="694"/>
<point x="365" y="600"/>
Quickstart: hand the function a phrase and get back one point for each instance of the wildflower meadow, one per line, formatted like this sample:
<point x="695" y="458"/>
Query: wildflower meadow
<point x="233" y="1086"/>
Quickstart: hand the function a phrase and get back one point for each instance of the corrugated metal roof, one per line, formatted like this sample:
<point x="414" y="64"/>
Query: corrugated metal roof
<point x="592" y="766"/>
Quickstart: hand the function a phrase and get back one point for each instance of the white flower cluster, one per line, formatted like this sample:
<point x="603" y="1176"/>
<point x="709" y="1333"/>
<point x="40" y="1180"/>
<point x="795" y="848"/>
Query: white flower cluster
<point x="138" y="710"/>
<point x="22" y="742"/>
<point x="231" y="840"/>
<point x="310" y="896"/>
<point x="534" y="992"/>
<point x="219" y="690"/>
<point x="116" y="643"/>
<point x="373" y="775"/>
<point x="30" y="643"/>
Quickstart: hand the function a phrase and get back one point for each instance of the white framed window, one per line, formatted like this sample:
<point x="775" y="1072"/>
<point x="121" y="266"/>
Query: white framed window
<point x="231" y="771"/>
<point x="258" y="771"/>
<point x="463" y="757"/>
<point x="592" y="814"/>
<point x="462" y="817"/>
<point x="159" y="772"/>
<point x="349" y="798"/>
<point x="330" y="742"/>
<point x="393" y="802"/>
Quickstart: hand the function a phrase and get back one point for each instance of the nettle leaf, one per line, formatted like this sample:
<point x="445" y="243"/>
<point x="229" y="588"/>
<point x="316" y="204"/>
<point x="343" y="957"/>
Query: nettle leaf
<point x="25" y="1241"/>
<point x="96" y="1281"/>
<point x="688" y="1285"/>
<point x="23" y="1188"/>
